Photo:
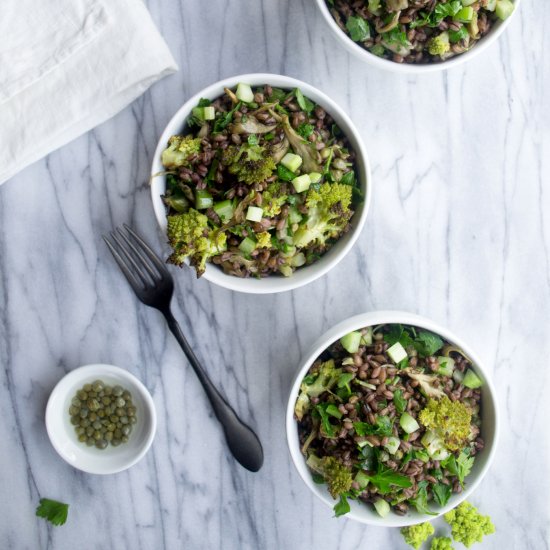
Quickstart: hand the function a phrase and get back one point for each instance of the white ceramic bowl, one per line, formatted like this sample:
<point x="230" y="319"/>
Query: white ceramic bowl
<point x="496" y="30"/>
<point x="303" y="275"/>
<point x="489" y="417"/>
<point x="89" y="459"/>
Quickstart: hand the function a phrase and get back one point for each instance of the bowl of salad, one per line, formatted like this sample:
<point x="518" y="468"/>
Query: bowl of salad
<point x="417" y="35"/>
<point x="261" y="183"/>
<point x="392" y="419"/>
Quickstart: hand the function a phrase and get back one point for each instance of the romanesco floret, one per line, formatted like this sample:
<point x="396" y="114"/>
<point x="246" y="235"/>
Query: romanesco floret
<point x="263" y="240"/>
<point x="337" y="476"/>
<point x="327" y="376"/>
<point x="439" y="45"/>
<point x="415" y="535"/>
<point x="441" y="543"/>
<point x="250" y="163"/>
<point x="328" y="214"/>
<point x="468" y="525"/>
<point x="273" y="199"/>
<point x="178" y="151"/>
<point x="449" y="420"/>
<point x="191" y="237"/>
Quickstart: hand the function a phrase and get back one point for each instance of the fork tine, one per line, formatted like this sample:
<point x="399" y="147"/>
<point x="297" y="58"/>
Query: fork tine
<point x="159" y="264"/>
<point x="123" y="267"/>
<point x="127" y="257"/>
<point x="144" y="262"/>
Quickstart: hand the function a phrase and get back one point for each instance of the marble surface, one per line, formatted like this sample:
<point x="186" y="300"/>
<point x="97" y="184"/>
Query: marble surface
<point x="458" y="231"/>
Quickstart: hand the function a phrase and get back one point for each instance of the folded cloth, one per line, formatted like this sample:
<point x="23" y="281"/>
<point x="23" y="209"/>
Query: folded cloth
<point x="68" y="65"/>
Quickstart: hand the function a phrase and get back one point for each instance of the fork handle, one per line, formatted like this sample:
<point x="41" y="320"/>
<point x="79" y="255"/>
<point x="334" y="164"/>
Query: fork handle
<point x="242" y="441"/>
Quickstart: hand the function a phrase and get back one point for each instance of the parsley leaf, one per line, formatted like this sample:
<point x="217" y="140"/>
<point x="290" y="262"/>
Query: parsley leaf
<point x="305" y="104"/>
<point x="252" y="139"/>
<point x="398" y="334"/>
<point x="204" y="102"/>
<point x="399" y="401"/>
<point x="328" y="428"/>
<point x="342" y="506"/>
<point x="358" y="28"/>
<point x="420" y="501"/>
<point x="305" y="130"/>
<point x="427" y="344"/>
<point x="457" y="36"/>
<point x="396" y="36"/>
<point x="284" y="173"/>
<point x="224" y="119"/>
<point x="459" y="467"/>
<point x="442" y="493"/>
<point x="441" y="11"/>
<point x="386" y="477"/>
<point x="52" y="510"/>
<point x="383" y="427"/>
<point x="348" y="178"/>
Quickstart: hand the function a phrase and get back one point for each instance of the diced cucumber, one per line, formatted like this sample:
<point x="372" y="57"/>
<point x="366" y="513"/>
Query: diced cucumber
<point x="472" y="380"/>
<point x="203" y="199"/>
<point x="292" y="161"/>
<point x="247" y="245"/>
<point x="468" y="2"/>
<point x="298" y="260"/>
<point x="244" y="93"/>
<point x="397" y="353"/>
<point x="224" y="210"/>
<point x="408" y="423"/>
<point x="351" y="342"/>
<point x="362" y="479"/>
<point x="366" y="340"/>
<point x="392" y="445"/>
<point x="464" y="15"/>
<point x="315" y="177"/>
<point x="254" y="214"/>
<point x="446" y="366"/>
<point x="293" y="215"/>
<point x="434" y="446"/>
<point x="382" y="507"/>
<point x="301" y="183"/>
<point x="504" y="9"/>
<point x="491" y="5"/>
<point x="204" y="113"/>
<point x="458" y="376"/>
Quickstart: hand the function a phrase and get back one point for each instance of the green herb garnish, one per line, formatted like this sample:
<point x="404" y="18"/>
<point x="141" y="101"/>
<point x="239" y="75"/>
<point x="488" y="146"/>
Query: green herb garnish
<point x="53" y="511"/>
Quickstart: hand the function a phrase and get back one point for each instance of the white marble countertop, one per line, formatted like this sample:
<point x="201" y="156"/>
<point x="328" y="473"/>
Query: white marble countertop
<point x="458" y="231"/>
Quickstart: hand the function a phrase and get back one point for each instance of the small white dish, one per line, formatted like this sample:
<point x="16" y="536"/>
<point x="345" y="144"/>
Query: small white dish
<point x="387" y="64"/>
<point x="89" y="459"/>
<point x="306" y="274"/>
<point x="489" y="417"/>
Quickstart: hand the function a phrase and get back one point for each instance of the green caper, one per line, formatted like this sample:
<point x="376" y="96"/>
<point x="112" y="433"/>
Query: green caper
<point x="93" y="404"/>
<point x="102" y="414"/>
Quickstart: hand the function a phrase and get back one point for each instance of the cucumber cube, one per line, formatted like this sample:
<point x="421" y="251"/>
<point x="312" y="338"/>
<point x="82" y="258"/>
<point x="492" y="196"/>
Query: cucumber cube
<point x="472" y="380"/>
<point x="392" y="445"/>
<point x="446" y="366"/>
<point x="408" y="423"/>
<point x="382" y="507"/>
<point x="464" y="15"/>
<point x="301" y="183"/>
<point x="350" y="342"/>
<point x="209" y="113"/>
<point x="315" y="177"/>
<point x="244" y="93"/>
<point x="291" y="161"/>
<point x="397" y="353"/>
<point x="504" y="9"/>
<point x="247" y="245"/>
<point x="254" y="214"/>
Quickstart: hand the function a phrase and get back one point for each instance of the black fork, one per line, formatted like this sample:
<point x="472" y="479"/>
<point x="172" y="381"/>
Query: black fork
<point x="154" y="286"/>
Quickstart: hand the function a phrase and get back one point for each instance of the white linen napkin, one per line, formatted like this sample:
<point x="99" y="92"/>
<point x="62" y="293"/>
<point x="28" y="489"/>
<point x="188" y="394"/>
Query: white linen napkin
<point x="68" y="65"/>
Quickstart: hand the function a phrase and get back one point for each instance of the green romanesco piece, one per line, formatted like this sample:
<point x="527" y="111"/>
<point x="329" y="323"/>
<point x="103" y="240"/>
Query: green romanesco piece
<point x="439" y="45"/>
<point x="179" y="149"/>
<point x="328" y="215"/>
<point x="441" y="543"/>
<point x="468" y="525"/>
<point x="336" y="475"/>
<point x="249" y="163"/>
<point x="415" y="535"/>
<point x="191" y="237"/>
<point x="263" y="239"/>
<point x="273" y="199"/>
<point x="450" y="420"/>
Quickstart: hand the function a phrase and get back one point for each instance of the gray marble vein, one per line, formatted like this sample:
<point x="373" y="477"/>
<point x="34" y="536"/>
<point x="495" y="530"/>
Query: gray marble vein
<point x="458" y="231"/>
